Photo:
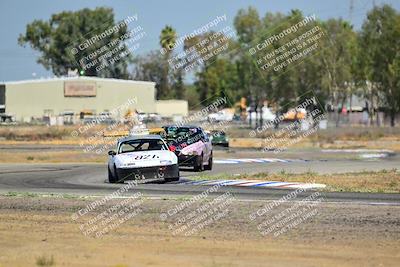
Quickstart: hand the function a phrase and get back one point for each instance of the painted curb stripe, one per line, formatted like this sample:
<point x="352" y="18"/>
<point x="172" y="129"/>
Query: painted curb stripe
<point x="249" y="183"/>
<point x="254" y="183"/>
<point x="215" y="182"/>
<point x="218" y="161"/>
<point x="289" y="185"/>
<point x="256" y="160"/>
<point x="265" y="183"/>
<point x="199" y="182"/>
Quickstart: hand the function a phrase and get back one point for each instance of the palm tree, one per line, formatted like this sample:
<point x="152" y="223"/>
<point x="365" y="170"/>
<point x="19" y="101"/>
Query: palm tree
<point x="168" y="38"/>
<point x="167" y="42"/>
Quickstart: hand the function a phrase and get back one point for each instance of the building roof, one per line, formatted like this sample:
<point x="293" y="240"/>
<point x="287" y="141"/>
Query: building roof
<point x="79" y="78"/>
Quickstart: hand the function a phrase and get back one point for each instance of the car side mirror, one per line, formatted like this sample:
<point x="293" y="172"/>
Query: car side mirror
<point x="111" y="153"/>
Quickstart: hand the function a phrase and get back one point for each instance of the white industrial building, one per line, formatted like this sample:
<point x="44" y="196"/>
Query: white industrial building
<point x="31" y="99"/>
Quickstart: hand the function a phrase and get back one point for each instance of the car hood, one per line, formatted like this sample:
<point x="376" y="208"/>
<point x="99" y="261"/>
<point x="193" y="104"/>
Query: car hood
<point x="145" y="159"/>
<point x="219" y="138"/>
<point x="195" y="147"/>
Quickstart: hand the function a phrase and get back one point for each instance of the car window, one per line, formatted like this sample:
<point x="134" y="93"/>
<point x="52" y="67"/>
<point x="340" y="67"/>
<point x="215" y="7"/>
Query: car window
<point x="218" y="133"/>
<point x="142" y="145"/>
<point x="184" y="136"/>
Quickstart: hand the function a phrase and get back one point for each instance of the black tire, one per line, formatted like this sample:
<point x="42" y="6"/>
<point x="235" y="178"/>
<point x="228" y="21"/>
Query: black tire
<point x="208" y="167"/>
<point x="199" y="166"/>
<point x="226" y="145"/>
<point x="171" y="179"/>
<point x="111" y="178"/>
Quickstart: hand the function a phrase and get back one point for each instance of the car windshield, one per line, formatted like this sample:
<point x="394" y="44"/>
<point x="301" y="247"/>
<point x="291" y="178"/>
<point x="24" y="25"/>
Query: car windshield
<point x="186" y="135"/>
<point x="218" y="133"/>
<point x="141" y="145"/>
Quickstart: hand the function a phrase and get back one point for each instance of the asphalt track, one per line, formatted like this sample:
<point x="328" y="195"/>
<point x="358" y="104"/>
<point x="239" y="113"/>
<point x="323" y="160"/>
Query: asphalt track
<point x="90" y="180"/>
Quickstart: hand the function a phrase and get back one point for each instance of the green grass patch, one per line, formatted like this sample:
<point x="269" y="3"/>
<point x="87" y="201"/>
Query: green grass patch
<point x="385" y="181"/>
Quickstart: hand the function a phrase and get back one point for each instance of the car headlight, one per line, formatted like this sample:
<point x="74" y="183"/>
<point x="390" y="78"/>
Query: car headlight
<point x="190" y="153"/>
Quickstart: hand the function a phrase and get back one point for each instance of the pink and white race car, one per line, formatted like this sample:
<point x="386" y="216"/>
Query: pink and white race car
<point x="191" y="145"/>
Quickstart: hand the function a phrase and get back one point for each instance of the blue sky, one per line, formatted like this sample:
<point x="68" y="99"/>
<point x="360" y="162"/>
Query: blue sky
<point x="18" y="63"/>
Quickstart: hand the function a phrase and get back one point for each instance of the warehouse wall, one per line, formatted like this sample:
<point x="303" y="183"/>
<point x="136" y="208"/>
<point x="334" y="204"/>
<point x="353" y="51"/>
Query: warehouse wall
<point x="27" y="99"/>
<point x="172" y="107"/>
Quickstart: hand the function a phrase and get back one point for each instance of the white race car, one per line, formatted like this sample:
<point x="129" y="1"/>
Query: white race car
<point x="144" y="157"/>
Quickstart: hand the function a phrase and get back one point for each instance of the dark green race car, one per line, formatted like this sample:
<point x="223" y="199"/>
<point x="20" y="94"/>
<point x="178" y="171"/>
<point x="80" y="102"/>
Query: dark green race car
<point x="219" y="138"/>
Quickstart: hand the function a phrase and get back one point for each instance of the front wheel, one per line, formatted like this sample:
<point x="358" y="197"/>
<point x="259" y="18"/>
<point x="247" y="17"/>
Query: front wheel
<point x="111" y="177"/>
<point x="208" y="167"/>
<point x="199" y="166"/>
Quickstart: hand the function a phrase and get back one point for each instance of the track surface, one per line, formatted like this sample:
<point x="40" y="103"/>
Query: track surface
<point x="90" y="179"/>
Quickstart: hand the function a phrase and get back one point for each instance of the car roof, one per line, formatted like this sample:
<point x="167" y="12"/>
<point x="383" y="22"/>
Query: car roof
<point x="138" y="137"/>
<point x="183" y="126"/>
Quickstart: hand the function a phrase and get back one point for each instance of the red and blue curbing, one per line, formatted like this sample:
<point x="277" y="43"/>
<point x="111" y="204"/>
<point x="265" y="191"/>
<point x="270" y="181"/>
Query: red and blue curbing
<point x="257" y="184"/>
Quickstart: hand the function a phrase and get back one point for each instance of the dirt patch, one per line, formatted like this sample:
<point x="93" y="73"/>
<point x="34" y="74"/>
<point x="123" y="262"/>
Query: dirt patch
<point x="38" y="156"/>
<point x="339" y="235"/>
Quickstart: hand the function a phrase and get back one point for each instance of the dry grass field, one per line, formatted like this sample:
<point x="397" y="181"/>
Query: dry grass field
<point x="38" y="231"/>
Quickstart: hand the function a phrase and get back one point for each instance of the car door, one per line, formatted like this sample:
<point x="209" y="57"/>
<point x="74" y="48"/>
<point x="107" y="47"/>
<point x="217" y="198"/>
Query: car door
<point x="207" y="146"/>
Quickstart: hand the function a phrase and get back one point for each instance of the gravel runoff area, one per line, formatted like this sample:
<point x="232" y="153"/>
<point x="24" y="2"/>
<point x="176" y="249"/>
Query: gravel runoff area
<point x="48" y="231"/>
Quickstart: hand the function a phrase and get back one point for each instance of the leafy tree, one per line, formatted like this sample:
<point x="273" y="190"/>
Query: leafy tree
<point x="149" y="68"/>
<point x="56" y="37"/>
<point x="380" y="46"/>
<point x="247" y="24"/>
<point x="192" y="96"/>
<point x="219" y="79"/>
<point x="338" y="59"/>
<point x="214" y="67"/>
<point x="178" y="86"/>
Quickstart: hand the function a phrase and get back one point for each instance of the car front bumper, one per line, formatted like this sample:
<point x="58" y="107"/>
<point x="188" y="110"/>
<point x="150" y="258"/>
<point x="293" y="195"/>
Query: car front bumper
<point x="220" y="143"/>
<point x="187" y="160"/>
<point x="156" y="172"/>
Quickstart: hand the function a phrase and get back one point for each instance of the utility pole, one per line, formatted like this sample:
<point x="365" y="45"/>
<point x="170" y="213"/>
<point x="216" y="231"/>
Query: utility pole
<point x="351" y="10"/>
